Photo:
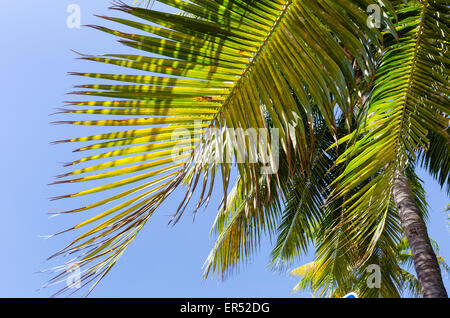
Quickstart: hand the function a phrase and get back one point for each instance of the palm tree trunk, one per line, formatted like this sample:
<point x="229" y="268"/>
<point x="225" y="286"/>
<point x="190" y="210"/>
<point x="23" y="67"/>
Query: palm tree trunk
<point x="425" y="261"/>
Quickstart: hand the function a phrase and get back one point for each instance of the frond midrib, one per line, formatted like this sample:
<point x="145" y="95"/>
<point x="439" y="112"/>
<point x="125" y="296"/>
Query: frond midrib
<point x="253" y="59"/>
<point x="410" y="83"/>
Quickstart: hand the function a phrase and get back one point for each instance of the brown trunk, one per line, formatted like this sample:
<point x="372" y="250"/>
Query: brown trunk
<point x="425" y="261"/>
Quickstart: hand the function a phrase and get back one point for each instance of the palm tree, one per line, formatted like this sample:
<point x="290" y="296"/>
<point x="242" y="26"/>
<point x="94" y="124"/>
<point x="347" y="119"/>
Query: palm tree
<point x="352" y="108"/>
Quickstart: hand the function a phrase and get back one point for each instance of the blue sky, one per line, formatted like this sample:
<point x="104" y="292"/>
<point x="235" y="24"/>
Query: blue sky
<point x="163" y="261"/>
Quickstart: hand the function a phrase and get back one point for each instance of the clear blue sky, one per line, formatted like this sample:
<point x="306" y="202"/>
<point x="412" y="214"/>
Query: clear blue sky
<point x="163" y="261"/>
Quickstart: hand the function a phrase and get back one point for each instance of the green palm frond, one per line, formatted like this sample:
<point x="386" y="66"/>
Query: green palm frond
<point x="395" y="266"/>
<point x="241" y="60"/>
<point x="296" y="229"/>
<point x="304" y="203"/>
<point x="436" y="158"/>
<point x="341" y="261"/>
<point x="239" y="228"/>
<point x="235" y="225"/>
<point x="410" y="99"/>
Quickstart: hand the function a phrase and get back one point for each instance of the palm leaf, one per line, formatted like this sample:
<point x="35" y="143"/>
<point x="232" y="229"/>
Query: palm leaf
<point x="241" y="60"/>
<point x="436" y="158"/>
<point x="409" y="100"/>
<point x="395" y="268"/>
<point x="341" y="259"/>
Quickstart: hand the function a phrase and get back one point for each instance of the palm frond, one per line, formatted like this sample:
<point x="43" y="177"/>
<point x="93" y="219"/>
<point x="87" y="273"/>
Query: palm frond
<point x="242" y="60"/>
<point x="396" y="279"/>
<point x="342" y="258"/>
<point x="305" y="201"/>
<point x="436" y="158"/>
<point x="239" y="228"/>
<point x="409" y="100"/>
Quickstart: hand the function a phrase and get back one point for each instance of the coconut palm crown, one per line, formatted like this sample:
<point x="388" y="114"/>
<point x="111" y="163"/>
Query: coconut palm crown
<point x="349" y="109"/>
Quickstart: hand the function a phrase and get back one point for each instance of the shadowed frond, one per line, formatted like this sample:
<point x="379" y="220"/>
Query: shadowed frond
<point x="436" y="158"/>
<point x="396" y="279"/>
<point x="342" y="262"/>
<point x="305" y="202"/>
<point x="239" y="228"/>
